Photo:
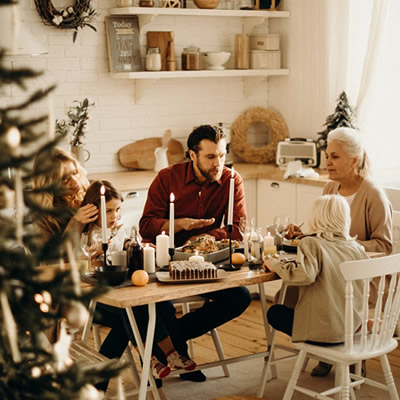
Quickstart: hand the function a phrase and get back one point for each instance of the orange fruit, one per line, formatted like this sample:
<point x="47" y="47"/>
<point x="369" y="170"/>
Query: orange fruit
<point x="140" y="277"/>
<point x="238" y="258"/>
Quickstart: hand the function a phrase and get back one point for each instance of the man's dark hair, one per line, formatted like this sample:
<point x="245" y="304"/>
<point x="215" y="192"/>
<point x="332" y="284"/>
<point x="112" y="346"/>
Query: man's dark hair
<point x="212" y="133"/>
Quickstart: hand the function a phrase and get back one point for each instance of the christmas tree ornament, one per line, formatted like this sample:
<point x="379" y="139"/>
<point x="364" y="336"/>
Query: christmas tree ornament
<point x="61" y="348"/>
<point x="89" y="392"/>
<point x="76" y="315"/>
<point x="36" y="372"/>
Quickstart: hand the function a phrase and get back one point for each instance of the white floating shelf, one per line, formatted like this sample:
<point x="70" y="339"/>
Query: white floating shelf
<point x="200" y="74"/>
<point x="198" y="12"/>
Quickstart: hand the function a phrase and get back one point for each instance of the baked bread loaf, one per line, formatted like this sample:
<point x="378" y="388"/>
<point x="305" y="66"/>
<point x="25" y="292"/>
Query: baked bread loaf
<point x="181" y="270"/>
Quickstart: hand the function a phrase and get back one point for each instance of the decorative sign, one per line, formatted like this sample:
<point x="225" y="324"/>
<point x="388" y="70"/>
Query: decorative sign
<point x="123" y="43"/>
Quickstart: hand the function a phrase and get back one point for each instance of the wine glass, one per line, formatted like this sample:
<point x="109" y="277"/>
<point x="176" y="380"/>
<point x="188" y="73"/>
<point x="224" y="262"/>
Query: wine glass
<point x="242" y="226"/>
<point x="281" y="223"/>
<point x="89" y="243"/>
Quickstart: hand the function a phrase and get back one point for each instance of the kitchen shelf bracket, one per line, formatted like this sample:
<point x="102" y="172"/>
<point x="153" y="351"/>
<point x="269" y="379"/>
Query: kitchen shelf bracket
<point x="141" y="85"/>
<point x="252" y="84"/>
<point x="145" y="19"/>
<point x="250" y="22"/>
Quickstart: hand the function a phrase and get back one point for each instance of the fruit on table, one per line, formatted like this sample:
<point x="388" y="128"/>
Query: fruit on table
<point x="238" y="258"/>
<point x="140" y="277"/>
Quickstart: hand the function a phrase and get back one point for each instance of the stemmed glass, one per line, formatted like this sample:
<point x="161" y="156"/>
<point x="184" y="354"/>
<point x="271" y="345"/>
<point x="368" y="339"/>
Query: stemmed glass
<point x="89" y="243"/>
<point x="281" y="223"/>
<point x="242" y="226"/>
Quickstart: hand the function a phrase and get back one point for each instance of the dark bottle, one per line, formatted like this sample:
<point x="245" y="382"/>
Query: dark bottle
<point x="135" y="252"/>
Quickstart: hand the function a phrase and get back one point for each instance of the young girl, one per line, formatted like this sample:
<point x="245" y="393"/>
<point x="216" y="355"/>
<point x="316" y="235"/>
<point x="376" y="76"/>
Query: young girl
<point x="319" y="313"/>
<point x="114" y="346"/>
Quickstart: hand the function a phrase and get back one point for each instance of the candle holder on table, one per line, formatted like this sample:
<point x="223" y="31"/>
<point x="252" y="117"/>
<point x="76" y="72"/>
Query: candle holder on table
<point x="229" y="266"/>
<point x="104" y="246"/>
<point x="171" y="252"/>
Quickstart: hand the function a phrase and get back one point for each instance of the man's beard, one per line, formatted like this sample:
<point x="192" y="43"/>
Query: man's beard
<point x="207" y="174"/>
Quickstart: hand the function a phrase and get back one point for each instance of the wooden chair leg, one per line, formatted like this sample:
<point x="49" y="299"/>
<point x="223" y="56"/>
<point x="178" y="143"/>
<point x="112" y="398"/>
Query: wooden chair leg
<point x="295" y="376"/>
<point x="96" y="336"/>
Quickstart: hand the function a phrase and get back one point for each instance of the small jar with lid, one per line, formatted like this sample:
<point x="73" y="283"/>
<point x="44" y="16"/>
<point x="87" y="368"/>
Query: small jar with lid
<point x="153" y="59"/>
<point x="191" y="59"/>
<point x="146" y="3"/>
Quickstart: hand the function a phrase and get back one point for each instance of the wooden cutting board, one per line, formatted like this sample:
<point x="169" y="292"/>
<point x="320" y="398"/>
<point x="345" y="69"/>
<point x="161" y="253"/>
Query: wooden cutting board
<point x="140" y="154"/>
<point x="160" y="39"/>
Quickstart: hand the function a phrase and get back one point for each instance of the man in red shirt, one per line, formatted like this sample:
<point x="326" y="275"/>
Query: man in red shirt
<point x="201" y="190"/>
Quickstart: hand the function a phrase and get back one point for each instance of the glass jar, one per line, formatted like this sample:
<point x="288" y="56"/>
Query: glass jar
<point x="146" y="3"/>
<point x="153" y="59"/>
<point x="191" y="59"/>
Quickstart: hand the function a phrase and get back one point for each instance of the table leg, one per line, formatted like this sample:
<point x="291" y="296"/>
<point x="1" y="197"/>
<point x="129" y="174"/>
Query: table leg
<point x="88" y="325"/>
<point x="145" y="351"/>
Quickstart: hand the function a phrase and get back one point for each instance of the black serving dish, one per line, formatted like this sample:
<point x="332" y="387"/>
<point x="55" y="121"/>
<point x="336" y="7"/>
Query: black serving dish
<point x="111" y="275"/>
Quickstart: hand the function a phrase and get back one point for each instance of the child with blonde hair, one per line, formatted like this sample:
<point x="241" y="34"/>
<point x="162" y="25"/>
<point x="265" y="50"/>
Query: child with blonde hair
<point x="318" y="316"/>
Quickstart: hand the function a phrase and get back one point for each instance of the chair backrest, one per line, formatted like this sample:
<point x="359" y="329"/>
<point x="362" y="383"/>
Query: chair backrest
<point x="386" y="309"/>
<point x="396" y="232"/>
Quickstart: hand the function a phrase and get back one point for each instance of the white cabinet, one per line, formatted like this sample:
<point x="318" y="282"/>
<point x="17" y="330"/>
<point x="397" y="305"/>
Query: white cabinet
<point x="275" y="198"/>
<point x="250" y="189"/>
<point x="306" y="194"/>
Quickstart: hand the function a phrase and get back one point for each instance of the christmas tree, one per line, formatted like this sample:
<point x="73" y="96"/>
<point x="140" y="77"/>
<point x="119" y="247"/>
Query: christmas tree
<point x="342" y="117"/>
<point x="31" y="304"/>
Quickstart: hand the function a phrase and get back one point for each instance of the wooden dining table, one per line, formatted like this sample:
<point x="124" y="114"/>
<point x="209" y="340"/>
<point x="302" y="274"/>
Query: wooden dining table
<point x="155" y="291"/>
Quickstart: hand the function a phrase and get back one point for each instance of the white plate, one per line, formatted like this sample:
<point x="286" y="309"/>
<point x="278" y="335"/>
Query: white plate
<point x="165" y="278"/>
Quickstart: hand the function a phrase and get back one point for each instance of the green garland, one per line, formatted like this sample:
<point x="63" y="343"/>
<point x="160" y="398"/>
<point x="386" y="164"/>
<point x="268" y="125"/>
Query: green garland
<point x="72" y="17"/>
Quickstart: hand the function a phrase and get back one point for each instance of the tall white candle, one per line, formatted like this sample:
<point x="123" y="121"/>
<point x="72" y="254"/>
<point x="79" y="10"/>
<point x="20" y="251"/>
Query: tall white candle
<point x="162" y="256"/>
<point x="103" y="214"/>
<point x="231" y="195"/>
<point x="171" y="221"/>
<point x="148" y="259"/>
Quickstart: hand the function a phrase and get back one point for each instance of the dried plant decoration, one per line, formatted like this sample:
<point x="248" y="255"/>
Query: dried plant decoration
<point x="75" y="17"/>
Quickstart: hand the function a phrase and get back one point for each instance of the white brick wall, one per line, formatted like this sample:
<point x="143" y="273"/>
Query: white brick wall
<point x="81" y="70"/>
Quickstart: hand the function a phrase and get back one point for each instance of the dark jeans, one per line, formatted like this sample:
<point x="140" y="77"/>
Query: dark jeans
<point x="281" y="317"/>
<point x="223" y="306"/>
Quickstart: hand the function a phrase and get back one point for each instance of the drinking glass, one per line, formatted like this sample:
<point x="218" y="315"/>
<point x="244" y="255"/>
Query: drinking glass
<point x="281" y="223"/>
<point x="242" y="226"/>
<point x="89" y="243"/>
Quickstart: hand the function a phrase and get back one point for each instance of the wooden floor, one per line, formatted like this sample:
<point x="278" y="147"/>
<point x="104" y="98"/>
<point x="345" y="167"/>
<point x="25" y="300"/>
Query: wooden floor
<point x="245" y="335"/>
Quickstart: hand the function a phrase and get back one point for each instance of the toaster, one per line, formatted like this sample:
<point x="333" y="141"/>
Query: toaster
<point x="294" y="149"/>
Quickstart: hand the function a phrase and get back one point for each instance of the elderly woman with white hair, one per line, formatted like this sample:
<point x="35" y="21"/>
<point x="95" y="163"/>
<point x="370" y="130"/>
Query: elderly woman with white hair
<point x="318" y="316"/>
<point x="371" y="212"/>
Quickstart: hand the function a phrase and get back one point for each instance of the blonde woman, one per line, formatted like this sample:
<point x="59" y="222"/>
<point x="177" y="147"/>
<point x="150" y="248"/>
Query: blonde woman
<point x="319" y="313"/>
<point x="63" y="170"/>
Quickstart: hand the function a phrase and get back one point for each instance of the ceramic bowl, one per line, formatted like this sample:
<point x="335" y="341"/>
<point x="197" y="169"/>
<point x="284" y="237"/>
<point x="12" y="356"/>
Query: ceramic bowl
<point x="206" y="3"/>
<point x="111" y="275"/>
<point x="216" y="59"/>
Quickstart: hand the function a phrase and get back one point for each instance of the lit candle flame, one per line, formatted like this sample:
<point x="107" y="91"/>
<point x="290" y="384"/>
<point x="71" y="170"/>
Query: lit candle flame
<point x="232" y="172"/>
<point x="102" y="190"/>
<point x="172" y="198"/>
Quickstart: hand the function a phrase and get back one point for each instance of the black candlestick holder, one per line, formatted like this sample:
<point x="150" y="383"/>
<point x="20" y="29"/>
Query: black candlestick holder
<point x="171" y="252"/>
<point x="229" y="266"/>
<point x="104" y="246"/>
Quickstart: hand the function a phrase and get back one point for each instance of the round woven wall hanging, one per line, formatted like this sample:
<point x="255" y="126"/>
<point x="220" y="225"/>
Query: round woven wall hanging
<point x="276" y="126"/>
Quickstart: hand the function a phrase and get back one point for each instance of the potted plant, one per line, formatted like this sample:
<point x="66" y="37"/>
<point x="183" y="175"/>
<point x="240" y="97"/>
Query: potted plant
<point x="76" y="127"/>
<point x="342" y="117"/>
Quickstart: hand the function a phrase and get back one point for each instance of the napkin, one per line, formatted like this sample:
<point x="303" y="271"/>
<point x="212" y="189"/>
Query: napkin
<point x="295" y="169"/>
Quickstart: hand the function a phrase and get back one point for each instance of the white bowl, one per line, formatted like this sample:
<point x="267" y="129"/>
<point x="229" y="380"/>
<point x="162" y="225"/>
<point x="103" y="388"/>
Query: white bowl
<point x="216" y="59"/>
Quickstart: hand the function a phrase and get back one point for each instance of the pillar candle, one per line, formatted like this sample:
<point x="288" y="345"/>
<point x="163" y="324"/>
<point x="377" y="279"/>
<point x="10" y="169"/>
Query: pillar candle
<point x="171" y="222"/>
<point x="103" y="214"/>
<point x="148" y="259"/>
<point x="231" y="195"/>
<point x="269" y="246"/>
<point x="196" y="257"/>
<point x="162" y="256"/>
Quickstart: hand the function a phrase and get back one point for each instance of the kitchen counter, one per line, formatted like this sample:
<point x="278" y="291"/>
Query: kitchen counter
<point x="135" y="180"/>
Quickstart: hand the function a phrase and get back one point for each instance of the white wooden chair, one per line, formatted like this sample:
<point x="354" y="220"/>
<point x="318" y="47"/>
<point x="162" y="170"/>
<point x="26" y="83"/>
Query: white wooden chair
<point x="361" y="345"/>
<point x="396" y="232"/>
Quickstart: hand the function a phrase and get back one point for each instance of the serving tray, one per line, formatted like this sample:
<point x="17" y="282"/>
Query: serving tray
<point x="214" y="257"/>
<point x="165" y="278"/>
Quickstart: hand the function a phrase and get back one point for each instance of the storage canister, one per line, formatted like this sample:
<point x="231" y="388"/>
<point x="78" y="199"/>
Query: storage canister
<point x="263" y="59"/>
<point x="153" y="59"/>
<point x="242" y="51"/>
<point x="191" y="59"/>
<point x="264" y="42"/>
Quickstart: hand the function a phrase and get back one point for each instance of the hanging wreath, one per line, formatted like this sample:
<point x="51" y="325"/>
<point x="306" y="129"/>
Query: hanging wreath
<point x="72" y="17"/>
<point x="240" y="142"/>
